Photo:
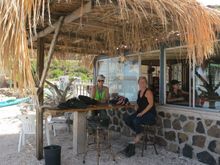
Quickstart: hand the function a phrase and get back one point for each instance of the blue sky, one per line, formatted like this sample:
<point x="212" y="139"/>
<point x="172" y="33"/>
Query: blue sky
<point x="210" y="2"/>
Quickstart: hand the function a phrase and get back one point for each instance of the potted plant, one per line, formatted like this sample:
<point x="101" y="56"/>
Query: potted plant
<point x="209" y="90"/>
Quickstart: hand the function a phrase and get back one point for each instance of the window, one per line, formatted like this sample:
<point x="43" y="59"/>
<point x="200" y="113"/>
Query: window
<point x="122" y="76"/>
<point x="177" y="77"/>
<point x="150" y="68"/>
<point x="207" y="83"/>
<point x="200" y="89"/>
<point x="186" y="84"/>
<point x="102" y="66"/>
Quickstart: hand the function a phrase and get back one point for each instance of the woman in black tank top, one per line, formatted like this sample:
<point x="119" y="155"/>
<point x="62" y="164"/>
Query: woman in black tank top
<point x="146" y="112"/>
<point x="142" y="103"/>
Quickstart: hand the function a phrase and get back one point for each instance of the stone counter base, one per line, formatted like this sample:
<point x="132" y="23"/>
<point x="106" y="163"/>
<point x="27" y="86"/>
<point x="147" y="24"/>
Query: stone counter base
<point x="189" y="133"/>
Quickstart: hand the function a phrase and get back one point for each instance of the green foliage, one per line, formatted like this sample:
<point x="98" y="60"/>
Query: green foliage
<point x="54" y="95"/>
<point x="82" y="70"/>
<point x="56" y="73"/>
<point x="71" y="68"/>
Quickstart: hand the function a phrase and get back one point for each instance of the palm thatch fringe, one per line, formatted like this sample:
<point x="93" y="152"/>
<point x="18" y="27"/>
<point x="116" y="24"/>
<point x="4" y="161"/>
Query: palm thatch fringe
<point x="138" y="24"/>
<point x="14" y="52"/>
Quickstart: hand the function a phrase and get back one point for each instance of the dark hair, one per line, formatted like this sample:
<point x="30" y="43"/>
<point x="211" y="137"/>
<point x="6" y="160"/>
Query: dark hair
<point x="174" y="82"/>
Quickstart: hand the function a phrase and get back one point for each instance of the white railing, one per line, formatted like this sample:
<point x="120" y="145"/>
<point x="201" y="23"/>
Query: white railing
<point x="82" y="88"/>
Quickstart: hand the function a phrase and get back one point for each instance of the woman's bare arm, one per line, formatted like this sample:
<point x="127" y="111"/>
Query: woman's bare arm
<point x="171" y="99"/>
<point x="150" y="99"/>
<point x="93" y="92"/>
<point x="107" y="96"/>
<point x="185" y="93"/>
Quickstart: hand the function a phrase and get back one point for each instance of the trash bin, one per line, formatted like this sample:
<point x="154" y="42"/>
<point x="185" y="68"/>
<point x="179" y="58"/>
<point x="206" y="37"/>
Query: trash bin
<point x="52" y="154"/>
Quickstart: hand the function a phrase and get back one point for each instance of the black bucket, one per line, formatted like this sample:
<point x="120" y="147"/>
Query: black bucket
<point x="52" y="154"/>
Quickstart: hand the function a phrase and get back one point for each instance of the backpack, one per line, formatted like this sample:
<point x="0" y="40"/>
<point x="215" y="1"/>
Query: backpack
<point x="87" y="100"/>
<point x="72" y="103"/>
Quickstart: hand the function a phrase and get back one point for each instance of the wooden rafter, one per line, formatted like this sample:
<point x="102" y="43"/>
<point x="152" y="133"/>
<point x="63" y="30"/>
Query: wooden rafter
<point x="64" y="49"/>
<point x="98" y="25"/>
<point x="68" y="19"/>
<point x="50" y="53"/>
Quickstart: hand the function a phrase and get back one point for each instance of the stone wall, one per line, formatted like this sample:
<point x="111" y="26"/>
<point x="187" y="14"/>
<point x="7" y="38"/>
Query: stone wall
<point x="190" y="133"/>
<point x="117" y="123"/>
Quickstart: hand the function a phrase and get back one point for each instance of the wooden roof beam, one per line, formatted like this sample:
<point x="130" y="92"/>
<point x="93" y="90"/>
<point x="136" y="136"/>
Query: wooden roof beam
<point x="74" y="47"/>
<point x="69" y="48"/>
<point x="72" y="38"/>
<point x="50" y="53"/>
<point x="71" y="42"/>
<point x="98" y="25"/>
<point x="60" y="45"/>
<point x="63" y="49"/>
<point x="68" y="19"/>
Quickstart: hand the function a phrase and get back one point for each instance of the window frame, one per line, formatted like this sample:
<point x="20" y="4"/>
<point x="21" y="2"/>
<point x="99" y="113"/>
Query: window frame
<point x="192" y="67"/>
<point x="165" y="78"/>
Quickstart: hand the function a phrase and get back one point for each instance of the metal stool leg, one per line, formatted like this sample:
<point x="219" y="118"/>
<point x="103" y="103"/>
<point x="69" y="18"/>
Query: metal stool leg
<point x="87" y="145"/>
<point x="98" y="142"/>
<point x="145" y="140"/>
<point x="97" y="145"/>
<point x="143" y="144"/>
<point x="147" y="132"/>
<point x="154" y="142"/>
<point x="110" y="146"/>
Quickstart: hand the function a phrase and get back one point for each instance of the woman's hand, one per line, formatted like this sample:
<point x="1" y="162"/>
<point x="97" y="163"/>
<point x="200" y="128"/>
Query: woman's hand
<point x="136" y="107"/>
<point x="140" y="114"/>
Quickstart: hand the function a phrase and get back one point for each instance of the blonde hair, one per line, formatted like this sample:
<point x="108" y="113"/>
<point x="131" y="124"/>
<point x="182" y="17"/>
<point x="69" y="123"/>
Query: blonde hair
<point x="142" y="78"/>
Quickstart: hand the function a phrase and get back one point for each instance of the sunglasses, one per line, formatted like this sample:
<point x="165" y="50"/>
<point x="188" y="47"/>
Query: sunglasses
<point x="100" y="80"/>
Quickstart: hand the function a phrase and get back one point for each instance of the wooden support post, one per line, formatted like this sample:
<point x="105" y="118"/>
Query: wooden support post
<point x="39" y="134"/>
<point x="40" y="65"/>
<point x="50" y="53"/>
<point x="162" y="75"/>
<point x="39" y="116"/>
<point x="79" y="132"/>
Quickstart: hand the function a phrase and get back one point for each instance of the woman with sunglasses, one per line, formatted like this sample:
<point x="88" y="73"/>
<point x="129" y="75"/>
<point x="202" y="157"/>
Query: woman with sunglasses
<point x="99" y="91"/>
<point x="101" y="94"/>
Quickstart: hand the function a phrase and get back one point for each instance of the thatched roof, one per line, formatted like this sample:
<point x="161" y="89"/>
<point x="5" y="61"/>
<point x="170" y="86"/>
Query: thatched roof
<point x="102" y="27"/>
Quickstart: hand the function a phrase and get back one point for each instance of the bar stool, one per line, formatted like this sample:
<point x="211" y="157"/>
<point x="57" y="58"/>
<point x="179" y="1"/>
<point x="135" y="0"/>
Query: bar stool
<point x="97" y="131"/>
<point x="149" y="137"/>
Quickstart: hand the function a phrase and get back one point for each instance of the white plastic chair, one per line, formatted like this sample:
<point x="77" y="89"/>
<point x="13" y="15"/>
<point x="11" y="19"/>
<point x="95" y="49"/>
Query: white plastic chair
<point x="56" y="122"/>
<point x="28" y="127"/>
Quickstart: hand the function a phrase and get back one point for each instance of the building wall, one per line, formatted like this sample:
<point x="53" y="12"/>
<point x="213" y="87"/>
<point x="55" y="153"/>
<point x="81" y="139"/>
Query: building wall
<point x="191" y="133"/>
